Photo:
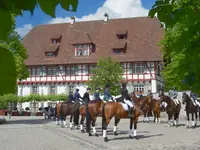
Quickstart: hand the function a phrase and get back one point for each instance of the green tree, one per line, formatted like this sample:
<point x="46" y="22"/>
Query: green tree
<point x="7" y="9"/>
<point x="109" y="72"/>
<point x="180" y="45"/>
<point x="14" y="44"/>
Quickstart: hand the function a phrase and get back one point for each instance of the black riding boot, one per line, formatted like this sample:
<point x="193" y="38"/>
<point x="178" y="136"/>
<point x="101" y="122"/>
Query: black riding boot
<point x="130" y="111"/>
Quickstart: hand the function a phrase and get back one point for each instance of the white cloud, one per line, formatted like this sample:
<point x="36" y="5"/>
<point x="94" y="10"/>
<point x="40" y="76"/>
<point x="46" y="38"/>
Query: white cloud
<point x="114" y="8"/>
<point x="24" y="30"/>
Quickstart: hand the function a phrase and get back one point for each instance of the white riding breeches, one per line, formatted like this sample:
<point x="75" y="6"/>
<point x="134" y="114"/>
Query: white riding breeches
<point x="175" y="101"/>
<point x="197" y="103"/>
<point x="128" y="103"/>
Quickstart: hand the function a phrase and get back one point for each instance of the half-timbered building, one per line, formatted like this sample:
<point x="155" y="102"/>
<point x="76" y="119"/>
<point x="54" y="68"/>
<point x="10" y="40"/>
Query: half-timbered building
<point x="61" y="56"/>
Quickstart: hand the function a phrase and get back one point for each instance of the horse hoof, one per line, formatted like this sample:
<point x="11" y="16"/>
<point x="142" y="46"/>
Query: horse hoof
<point x="71" y="128"/>
<point x="82" y="131"/>
<point x="105" y="139"/>
<point x="135" y="137"/>
<point x="115" y="133"/>
<point x="130" y="137"/>
<point x="90" y="134"/>
<point x="187" y="127"/>
<point x="193" y="127"/>
<point x="96" y="134"/>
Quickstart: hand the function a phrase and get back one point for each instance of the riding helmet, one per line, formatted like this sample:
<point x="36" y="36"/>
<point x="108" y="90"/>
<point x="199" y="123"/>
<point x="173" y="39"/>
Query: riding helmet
<point x="77" y="90"/>
<point x="88" y="89"/>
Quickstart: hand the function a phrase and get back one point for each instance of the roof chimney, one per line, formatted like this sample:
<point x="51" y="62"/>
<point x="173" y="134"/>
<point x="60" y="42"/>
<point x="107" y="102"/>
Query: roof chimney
<point x="72" y="19"/>
<point x="106" y="17"/>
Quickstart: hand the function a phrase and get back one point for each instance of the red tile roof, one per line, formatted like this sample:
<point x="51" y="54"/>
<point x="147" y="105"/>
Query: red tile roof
<point x="143" y="35"/>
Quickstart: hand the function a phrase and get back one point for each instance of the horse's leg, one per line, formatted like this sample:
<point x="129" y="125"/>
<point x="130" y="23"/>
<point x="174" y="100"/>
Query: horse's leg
<point x="196" y="116"/>
<point x="145" y="116"/>
<point x="193" y="122"/>
<point x="115" y="126"/>
<point x="70" y="122"/>
<point x="93" y="126"/>
<point x="106" y="123"/>
<point x="64" y="121"/>
<point x="81" y="123"/>
<point x="188" y="119"/>
<point x="57" y="119"/>
<point x="158" y="115"/>
<point x="133" y="120"/>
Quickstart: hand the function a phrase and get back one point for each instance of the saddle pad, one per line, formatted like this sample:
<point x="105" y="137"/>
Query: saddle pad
<point x="125" y="106"/>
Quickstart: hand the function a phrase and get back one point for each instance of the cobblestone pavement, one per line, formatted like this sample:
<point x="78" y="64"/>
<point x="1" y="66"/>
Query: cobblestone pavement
<point x="35" y="133"/>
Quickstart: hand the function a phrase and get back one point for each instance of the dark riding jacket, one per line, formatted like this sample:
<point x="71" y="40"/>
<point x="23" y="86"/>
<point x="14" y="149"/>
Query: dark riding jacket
<point x="86" y="97"/>
<point x="70" y="98"/>
<point x="97" y="96"/>
<point x="124" y="93"/>
<point x="77" y="97"/>
<point x="107" y="94"/>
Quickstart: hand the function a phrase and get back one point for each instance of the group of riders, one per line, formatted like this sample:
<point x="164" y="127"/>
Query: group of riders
<point x="174" y="94"/>
<point x="125" y="97"/>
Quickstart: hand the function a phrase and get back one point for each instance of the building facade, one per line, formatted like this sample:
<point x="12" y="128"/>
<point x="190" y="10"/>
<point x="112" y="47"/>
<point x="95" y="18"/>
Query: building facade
<point x="62" y="56"/>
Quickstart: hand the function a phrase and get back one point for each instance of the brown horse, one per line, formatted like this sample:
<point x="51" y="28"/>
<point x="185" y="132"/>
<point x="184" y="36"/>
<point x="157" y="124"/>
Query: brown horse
<point x="172" y="109"/>
<point x="146" y="107"/>
<point x="92" y="110"/>
<point x="155" y="107"/>
<point x="190" y="109"/>
<point x="64" y="109"/>
<point x="115" y="109"/>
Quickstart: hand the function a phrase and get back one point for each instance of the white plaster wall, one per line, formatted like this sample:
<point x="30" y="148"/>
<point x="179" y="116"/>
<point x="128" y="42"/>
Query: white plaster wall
<point x="62" y="89"/>
<point x="153" y="86"/>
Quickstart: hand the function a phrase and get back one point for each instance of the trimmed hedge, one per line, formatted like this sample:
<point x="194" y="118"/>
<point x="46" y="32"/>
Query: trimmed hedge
<point x="5" y="99"/>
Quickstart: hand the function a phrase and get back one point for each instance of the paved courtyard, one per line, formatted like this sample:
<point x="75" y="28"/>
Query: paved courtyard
<point x="35" y="133"/>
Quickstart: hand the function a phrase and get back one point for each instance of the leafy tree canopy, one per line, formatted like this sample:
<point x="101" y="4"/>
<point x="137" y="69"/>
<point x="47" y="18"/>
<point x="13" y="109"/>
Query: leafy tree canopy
<point x="15" y="45"/>
<point x="109" y="72"/>
<point x="180" y="45"/>
<point x="7" y="62"/>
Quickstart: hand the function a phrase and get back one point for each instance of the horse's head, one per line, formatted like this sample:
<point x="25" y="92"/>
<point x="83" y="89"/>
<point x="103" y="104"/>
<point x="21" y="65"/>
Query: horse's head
<point x="145" y="100"/>
<point x="184" y="97"/>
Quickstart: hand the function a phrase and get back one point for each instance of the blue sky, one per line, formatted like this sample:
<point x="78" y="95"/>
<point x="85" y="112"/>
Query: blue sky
<point x="87" y="10"/>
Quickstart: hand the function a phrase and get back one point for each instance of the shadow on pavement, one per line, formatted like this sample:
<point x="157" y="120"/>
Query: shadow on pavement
<point x="139" y="137"/>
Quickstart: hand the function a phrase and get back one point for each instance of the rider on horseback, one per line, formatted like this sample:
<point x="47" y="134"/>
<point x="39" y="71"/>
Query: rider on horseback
<point x="77" y="96"/>
<point x="126" y="98"/>
<point x="86" y="96"/>
<point x="107" y="95"/>
<point x="194" y="98"/>
<point x="70" y="97"/>
<point x="97" y="94"/>
<point x="173" y="94"/>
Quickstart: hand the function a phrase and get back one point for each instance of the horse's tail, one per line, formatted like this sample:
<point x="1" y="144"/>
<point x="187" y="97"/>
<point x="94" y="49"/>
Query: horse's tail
<point x="103" y="116"/>
<point x="76" y="113"/>
<point x="88" y="118"/>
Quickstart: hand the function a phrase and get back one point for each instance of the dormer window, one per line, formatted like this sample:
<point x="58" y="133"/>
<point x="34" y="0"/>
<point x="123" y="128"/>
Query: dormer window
<point x="83" y="49"/>
<point x="50" y="54"/>
<point x="121" y="34"/>
<point x="55" y="41"/>
<point x="118" y="51"/>
<point x="122" y="37"/>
